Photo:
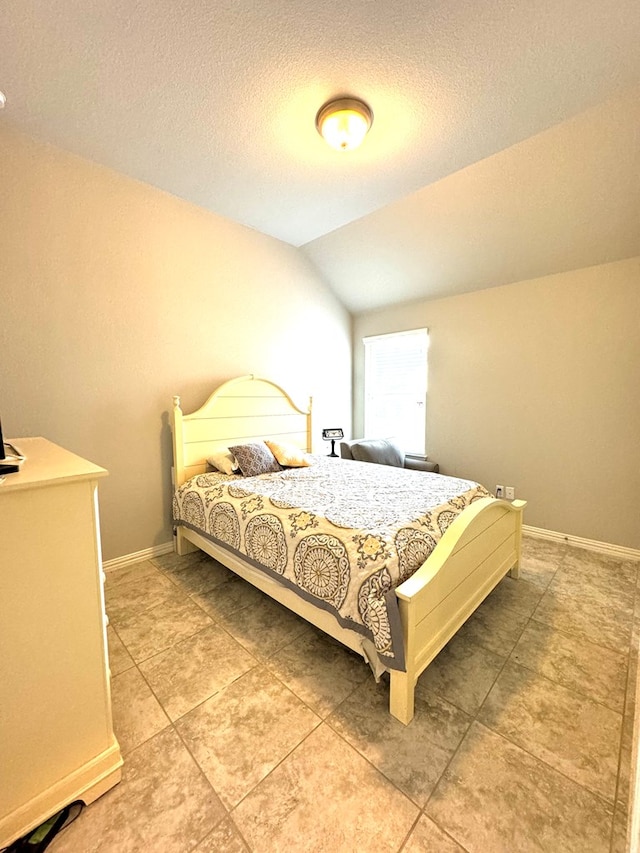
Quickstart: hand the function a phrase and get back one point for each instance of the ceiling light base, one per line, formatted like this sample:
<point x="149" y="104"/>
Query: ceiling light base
<point x="344" y="122"/>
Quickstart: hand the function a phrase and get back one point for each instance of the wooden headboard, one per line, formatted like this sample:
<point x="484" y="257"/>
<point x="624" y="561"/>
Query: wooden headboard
<point x="239" y="411"/>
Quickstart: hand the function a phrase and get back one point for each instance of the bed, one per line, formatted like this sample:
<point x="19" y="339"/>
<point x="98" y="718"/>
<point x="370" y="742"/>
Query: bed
<point x="449" y="554"/>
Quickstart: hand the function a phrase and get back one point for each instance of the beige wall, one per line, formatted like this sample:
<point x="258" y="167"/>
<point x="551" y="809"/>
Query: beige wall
<point x="536" y="385"/>
<point x="115" y="296"/>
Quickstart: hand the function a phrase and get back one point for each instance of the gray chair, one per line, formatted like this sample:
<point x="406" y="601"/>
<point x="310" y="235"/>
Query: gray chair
<point x="384" y="451"/>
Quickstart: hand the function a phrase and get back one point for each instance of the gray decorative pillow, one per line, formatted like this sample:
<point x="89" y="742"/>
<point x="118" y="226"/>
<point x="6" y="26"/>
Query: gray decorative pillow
<point x="255" y="459"/>
<point x="381" y="450"/>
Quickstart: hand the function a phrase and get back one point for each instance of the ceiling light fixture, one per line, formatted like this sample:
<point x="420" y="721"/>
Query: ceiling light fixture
<point x="344" y="123"/>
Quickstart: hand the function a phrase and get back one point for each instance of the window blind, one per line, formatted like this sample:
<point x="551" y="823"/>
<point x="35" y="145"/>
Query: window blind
<point x="396" y="388"/>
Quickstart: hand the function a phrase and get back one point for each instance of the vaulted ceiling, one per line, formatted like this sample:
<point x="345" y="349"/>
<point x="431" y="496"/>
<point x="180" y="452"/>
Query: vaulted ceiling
<point x="477" y="169"/>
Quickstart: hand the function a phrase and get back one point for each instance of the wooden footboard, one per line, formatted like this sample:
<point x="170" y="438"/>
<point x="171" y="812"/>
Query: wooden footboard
<point x="475" y="553"/>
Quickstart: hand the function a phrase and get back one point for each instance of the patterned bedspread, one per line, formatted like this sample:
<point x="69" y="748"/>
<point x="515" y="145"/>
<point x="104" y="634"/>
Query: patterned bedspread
<point x="342" y="534"/>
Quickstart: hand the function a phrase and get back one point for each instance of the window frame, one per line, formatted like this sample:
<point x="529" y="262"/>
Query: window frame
<point x="369" y="343"/>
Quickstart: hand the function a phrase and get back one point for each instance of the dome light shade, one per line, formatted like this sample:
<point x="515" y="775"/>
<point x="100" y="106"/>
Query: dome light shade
<point x="344" y="123"/>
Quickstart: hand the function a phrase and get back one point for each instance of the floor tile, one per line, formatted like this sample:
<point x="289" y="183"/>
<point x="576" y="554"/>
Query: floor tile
<point x="517" y="594"/>
<point x="629" y="724"/>
<point x="575" y="663"/>
<point x="228" y="597"/>
<point x="494" y="627"/>
<point x="601" y="588"/>
<point x="196" y="668"/>
<point x="594" y="565"/>
<point x="134" y="596"/>
<point x="540" y="560"/>
<point x="173" y="562"/>
<point x="264" y="627"/>
<point x="240" y="734"/>
<point x="319" y="670"/>
<point x="463" y="674"/>
<point x="128" y="573"/>
<point x="545" y="550"/>
<point x="154" y="630"/>
<point x="163" y="803"/>
<point x="570" y="732"/>
<point x="328" y="795"/>
<point x="537" y="573"/>
<point x="427" y="837"/>
<point x="201" y="577"/>
<point x="137" y="714"/>
<point x="496" y="797"/>
<point x="119" y="658"/>
<point x="225" y="838"/>
<point x="596" y="621"/>
<point x="413" y="757"/>
<point x="542" y="777"/>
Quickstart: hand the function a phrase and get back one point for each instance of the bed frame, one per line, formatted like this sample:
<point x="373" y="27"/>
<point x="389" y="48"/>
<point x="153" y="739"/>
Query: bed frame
<point x="478" y="549"/>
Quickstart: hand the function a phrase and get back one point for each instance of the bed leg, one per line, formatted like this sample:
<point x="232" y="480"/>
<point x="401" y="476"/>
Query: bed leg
<point x="182" y="544"/>
<point x="515" y="570"/>
<point x="401" y="696"/>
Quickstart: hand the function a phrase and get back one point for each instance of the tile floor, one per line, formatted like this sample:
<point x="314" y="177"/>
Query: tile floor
<point x="244" y="729"/>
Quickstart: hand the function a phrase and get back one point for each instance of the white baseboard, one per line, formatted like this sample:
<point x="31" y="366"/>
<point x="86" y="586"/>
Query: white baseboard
<point x="619" y="551"/>
<point x="137" y="556"/>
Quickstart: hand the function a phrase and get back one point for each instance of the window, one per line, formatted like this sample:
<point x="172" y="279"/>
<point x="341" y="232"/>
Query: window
<point x="395" y="388"/>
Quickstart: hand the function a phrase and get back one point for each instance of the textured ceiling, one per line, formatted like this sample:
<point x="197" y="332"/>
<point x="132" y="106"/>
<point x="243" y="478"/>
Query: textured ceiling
<point x="215" y="101"/>
<point x="564" y="199"/>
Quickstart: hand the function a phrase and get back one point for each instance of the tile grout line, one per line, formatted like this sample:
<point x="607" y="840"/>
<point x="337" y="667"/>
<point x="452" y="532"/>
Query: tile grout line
<point x="571" y="636"/>
<point x="632" y="652"/>
<point x="321" y="719"/>
<point x="477" y="714"/>
<point x="172" y="723"/>
<point x="227" y="812"/>
<point x="509" y="659"/>
<point x="610" y="649"/>
<point x="258" y="663"/>
<point x="409" y="833"/>
<point x="474" y="718"/>
<point x="524" y="749"/>
<point x="264" y="663"/>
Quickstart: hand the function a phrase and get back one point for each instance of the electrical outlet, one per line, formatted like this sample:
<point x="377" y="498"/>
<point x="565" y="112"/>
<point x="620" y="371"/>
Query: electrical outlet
<point x="499" y="491"/>
<point x="510" y="493"/>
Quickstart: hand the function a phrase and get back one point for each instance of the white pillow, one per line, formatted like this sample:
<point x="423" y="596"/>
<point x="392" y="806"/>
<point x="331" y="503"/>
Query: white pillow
<point x="225" y="461"/>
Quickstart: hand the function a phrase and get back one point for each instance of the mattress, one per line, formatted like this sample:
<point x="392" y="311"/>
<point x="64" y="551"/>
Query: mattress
<point x="341" y="534"/>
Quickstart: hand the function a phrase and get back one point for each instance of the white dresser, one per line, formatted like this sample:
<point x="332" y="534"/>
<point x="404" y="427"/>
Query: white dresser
<point x="56" y="736"/>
